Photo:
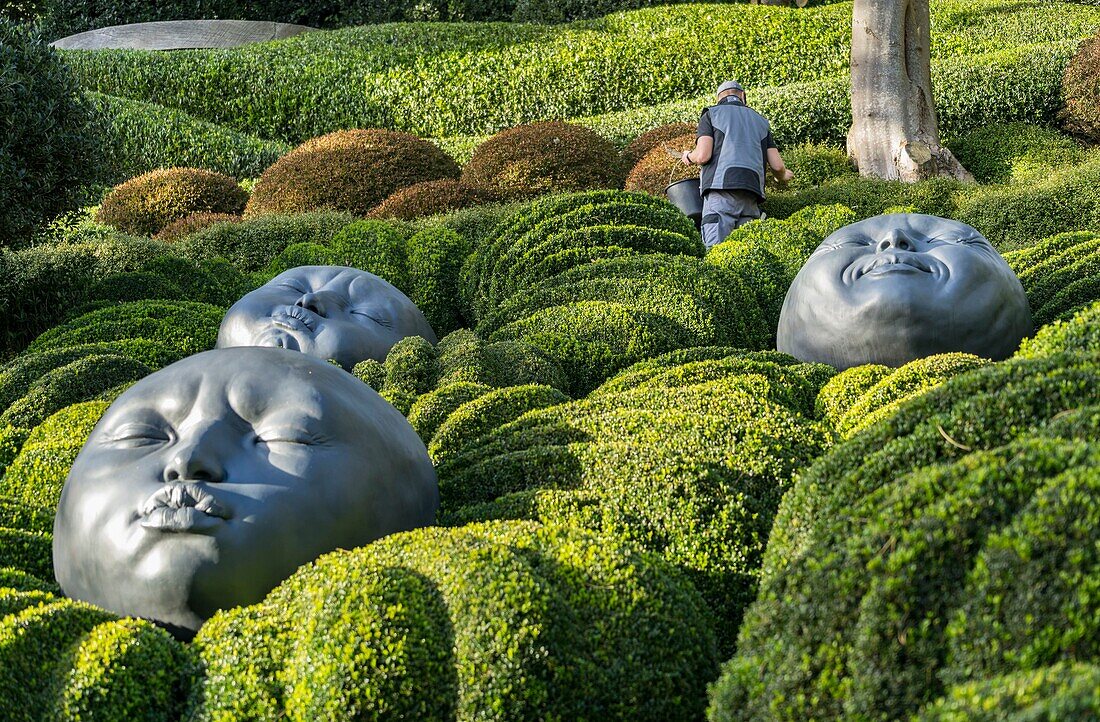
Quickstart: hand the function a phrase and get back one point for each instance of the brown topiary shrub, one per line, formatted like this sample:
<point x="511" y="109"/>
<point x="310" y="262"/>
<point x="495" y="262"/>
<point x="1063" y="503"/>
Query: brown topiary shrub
<point x="657" y="170"/>
<point x="149" y="202"/>
<point x="429" y="198"/>
<point x="549" y="157"/>
<point x="193" y="223"/>
<point x="349" y="170"/>
<point x="650" y="139"/>
<point x="1081" y="88"/>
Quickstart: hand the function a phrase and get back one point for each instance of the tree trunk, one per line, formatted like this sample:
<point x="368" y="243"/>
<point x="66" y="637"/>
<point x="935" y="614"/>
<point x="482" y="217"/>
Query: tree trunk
<point x="894" y="132"/>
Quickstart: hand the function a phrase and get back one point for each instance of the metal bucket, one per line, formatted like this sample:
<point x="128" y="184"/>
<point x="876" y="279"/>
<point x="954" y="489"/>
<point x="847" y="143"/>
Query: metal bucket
<point x="685" y="196"/>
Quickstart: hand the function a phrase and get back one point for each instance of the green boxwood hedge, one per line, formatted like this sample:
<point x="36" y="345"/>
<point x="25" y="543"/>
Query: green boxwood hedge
<point x="14" y="580"/>
<point x="434" y="407"/>
<point x="435" y="262"/>
<point x="899" y="559"/>
<point x="846" y="388"/>
<point x="464" y="356"/>
<point x="1059" y="692"/>
<point x="252" y="244"/>
<point x="17" y="514"/>
<point x="1014" y="152"/>
<point x="1061" y="274"/>
<point x="489" y="622"/>
<point x="1079" y="334"/>
<point x="27" y="551"/>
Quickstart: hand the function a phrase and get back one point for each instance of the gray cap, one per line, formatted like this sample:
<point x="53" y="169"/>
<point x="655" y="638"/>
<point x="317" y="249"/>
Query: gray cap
<point x="729" y="85"/>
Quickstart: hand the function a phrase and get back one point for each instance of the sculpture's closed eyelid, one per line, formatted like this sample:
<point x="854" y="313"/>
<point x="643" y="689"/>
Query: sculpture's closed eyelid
<point x="138" y="432"/>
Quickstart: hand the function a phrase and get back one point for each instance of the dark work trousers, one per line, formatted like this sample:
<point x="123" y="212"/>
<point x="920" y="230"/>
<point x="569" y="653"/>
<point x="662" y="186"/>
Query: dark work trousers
<point x="725" y="210"/>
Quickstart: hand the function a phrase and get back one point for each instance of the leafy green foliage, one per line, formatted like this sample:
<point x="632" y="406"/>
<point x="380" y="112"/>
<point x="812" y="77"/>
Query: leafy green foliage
<point x="1061" y="274"/>
<point x="489" y="622"/>
<point x="1081" y="333"/>
<point x="252" y="244"/>
<point x="436" y="406"/>
<point x="348" y="170"/>
<point x="481" y="415"/>
<point x="430" y="198"/>
<point x="435" y="261"/>
<point x="1014" y="152"/>
<point x="30" y="552"/>
<point x="146" y="204"/>
<point x="938" y="498"/>
<point x="846" y="388"/>
<point x="49" y="150"/>
<point x="1058" y="692"/>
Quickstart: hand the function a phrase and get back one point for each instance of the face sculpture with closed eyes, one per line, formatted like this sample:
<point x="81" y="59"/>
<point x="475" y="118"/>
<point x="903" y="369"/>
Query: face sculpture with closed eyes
<point x="899" y="287"/>
<point x="209" y="482"/>
<point x="329" y="312"/>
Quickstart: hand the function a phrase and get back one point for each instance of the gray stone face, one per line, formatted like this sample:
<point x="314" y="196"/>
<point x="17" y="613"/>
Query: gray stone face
<point x="331" y="312"/>
<point x="210" y="481"/>
<point x="181" y="35"/>
<point x="899" y="287"/>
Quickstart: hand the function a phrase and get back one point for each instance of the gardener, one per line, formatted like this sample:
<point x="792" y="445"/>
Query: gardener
<point x="734" y="145"/>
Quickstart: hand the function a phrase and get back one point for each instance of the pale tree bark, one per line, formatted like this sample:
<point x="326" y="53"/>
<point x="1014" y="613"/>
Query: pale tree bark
<point x="894" y="132"/>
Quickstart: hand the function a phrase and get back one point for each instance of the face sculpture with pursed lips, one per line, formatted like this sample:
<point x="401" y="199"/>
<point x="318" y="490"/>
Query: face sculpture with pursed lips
<point x="899" y="287"/>
<point x="209" y="482"/>
<point x="329" y="312"/>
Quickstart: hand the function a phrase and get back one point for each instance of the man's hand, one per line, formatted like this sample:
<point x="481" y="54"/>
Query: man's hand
<point x="784" y="176"/>
<point x="685" y="157"/>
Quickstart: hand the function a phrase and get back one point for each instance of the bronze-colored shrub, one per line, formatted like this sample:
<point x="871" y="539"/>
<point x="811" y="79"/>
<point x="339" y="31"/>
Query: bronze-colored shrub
<point x="657" y="170"/>
<point x="539" y="158"/>
<point x="650" y="139"/>
<point x="1081" y="88"/>
<point x="349" y="170"/>
<point x="149" y="202"/>
<point x="193" y="223"/>
<point x="429" y="198"/>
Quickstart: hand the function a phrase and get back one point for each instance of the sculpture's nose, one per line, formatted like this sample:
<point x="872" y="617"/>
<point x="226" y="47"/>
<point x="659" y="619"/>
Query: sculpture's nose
<point x="195" y="459"/>
<point x="896" y="241"/>
<point x="322" y="303"/>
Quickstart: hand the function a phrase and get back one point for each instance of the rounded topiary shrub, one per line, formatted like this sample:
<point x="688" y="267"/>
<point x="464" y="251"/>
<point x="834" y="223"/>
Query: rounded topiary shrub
<point x="496" y="622"/>
<point x="1059" y="692"/>
<point x="657" y="169"/>
<point x="647" y="141"/>
<point x="148" y="203"/>
<point x="1079" y="334"/>
<point x="48" y="149"/>
<point x="1081" y="89"/>
<point x="349" y="170"/>
<point x="193" y="223"/>
<point x="548" y="157"/>
<point x="430" y="198"/>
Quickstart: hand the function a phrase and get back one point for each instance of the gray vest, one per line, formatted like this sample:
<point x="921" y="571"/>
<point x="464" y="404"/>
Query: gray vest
<point x="739" y="146"/>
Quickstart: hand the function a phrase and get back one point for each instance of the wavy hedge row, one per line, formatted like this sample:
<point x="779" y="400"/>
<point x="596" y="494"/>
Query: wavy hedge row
<point x="976" y="494"/>
<point x="489" y="622"/>
<point x="1061" y="274"/>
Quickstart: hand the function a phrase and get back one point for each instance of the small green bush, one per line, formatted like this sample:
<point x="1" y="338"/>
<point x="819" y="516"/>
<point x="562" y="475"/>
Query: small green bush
<point x="902" y="385"/>
<point x="434" y="407"/>
<point x="507" y="621"/>
<point x="138" y="137"/>
<point x="846" y="388"/>
<point x="350" y="170"/>
<point x="124" y="669"/>
<point x="35" y="647"/>
<point x="435" y="258"/>
<point x="252" y="244"/>
<point x="1079" y="334"/>
<point x="412" y="366"/>
<point x="481" y="415"/>
<point x="540" y="158"/>
<point x="49" y="148"/>
<point x="374" y="246"/>
<point x="1061" y="275"/>
<point x="1081" y="89"/>
<point x="891" y="544"/>
<point x="464" y="356"/>
<point x="1014" y="152"/>
<point x="146" y="204"/>
<point x="38" y="474"/>
<point x="78" y="381"/>
<point x="1060" y="692"/>
<point x="428" y="199"/>
<point x="18" y="581"/>
<point x="15" y="514"/>
<point x="371" y="372"/>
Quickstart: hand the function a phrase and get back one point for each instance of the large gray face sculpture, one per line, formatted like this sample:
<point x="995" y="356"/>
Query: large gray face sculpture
<point x="209" y="482"/>
<point x="899" y="287"/>
<point x="330" y="312"/>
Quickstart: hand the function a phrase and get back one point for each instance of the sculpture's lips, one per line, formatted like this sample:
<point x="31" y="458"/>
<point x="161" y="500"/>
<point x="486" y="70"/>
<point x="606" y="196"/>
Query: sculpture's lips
<point x="183" y="507"/>
<point x="295" y="318"/>
<point x="885" y="263"/>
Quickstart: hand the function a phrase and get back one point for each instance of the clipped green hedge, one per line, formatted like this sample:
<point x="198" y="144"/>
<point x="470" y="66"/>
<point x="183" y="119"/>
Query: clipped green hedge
<point x="1060" y="692"/>
<point x="691" y="466"/>
<point x="481" y="415"/>
<point x="489" y="622"/>
<point x="411" y="366"/>
<point x="1061" y="275"/>
<point x="466" y="357"/>
<point x="185" y="325"/>
<point x="14" y="580"/>
<point x="1081" y="333"/>
<point x="27" y="551"/>
<point x="433" y="408"/>
<point x="971" y="494"/>
<point x="252" y="244"/>
<point x="1014" y="152"/>
<point x="146" y="204"/>
<point x="137" y="137"/>
<point x="901" y="385"/>
<point x="16" y="514"/>
<point x="436" y="256"/>
<point x="846" y="388"/>
<point x="37" y="475"/>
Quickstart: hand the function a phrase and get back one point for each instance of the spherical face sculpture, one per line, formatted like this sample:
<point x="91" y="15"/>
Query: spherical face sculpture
<point x="210" y="481"/>
<point x="899" y="287"/>
<point x="330" y="312"/>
